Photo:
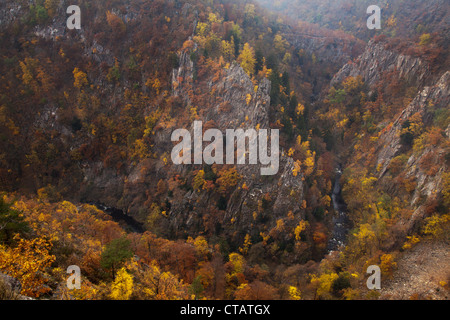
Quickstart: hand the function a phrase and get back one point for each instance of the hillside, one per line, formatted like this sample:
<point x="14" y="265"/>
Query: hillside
<point x="87" y="118"/>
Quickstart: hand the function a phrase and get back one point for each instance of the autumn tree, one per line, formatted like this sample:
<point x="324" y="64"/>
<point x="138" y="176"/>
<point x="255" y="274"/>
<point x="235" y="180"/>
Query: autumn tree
<point x="80" y="78"/>
<point x="155" y="284"/>
<point x="437" y="226"/>
<point x="302" y="225"/>
<point x="294" y="293"/>
<point x="323" y="284"/>
<point x="51" y="6"/>
<point x="387" y="265"/>
<point x="256" y="290"/>
<point x="122" y="287"/>
<point x="228" y="178"/>
<point x="199" y="181"/>
<point x="446" y="189"/>
<point x="247" y="59"/>
<point x="29" y="262"/>
<point x="117" y="25"/>
<point x="425" y="39"/>
<point x="161" y="187"/>
<point x="201" y="246"/>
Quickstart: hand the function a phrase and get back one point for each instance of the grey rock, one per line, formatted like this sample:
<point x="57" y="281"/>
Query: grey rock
<point x="376" y="60"/>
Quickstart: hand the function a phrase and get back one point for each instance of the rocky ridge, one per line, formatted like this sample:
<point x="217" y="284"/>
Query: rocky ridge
<point x="247" y="108"/>
<point x="376" y="60"/>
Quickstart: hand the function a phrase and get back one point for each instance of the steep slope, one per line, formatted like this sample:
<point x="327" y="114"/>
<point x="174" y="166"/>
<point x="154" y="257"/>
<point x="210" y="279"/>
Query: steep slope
<point x="237" y="103"/>
<point x="396" y="161"/>
<point x="377" y="60"/>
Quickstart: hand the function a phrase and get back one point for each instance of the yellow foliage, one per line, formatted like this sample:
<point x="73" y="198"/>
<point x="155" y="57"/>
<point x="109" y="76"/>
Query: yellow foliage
<point x="415" y="125"/>
<point x="157" y="285"/>
<point x="27" y="70"/>
<point x="364" y="237"/>
<point x="291" y="152"/>
<point x="297" y="168"/>
<point x="141" y="149"/>
<point x="302" y="225"/>
<point x="280" y="225"/>
<point x="323" y="283"/>
<point x="300" y="110"/>
<point x="412" y="240"/>
<point x="294" y="293"/>
<point x="280" y="43"/>
<point x="80" y="78"/>
<point x="248" y="98"/>
<point x="436" y="225"/>
<point x="237" y="261"/>
<point x="156" y="85"/>
<point x="228" y="178"/>
<point x="387" y="264"/>
<point x="200" y="244"/>
<point x="247" y="59"/>
<point x="122" y="287"/>
<point x="264" y="237"/>
<point x="309" y="162"/>
<point x="227" y="49"/>
<point x="425" y="39"/>
<point x="199" y="180"/>
<point x="247" y="244"/>
<point x="352" y="83"/>
<point x="28" y="263"/>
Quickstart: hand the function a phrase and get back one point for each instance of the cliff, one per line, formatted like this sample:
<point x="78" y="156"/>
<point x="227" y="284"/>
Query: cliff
<point x="376" y="60"/>
<point x="433" y="94"/>
<point x="237" y="103"/>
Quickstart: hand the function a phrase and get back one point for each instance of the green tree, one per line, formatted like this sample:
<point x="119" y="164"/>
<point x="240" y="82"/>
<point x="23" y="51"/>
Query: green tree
<point x="115" y="254"/>
<point x="196" y="288"/>
<point x="11" y="222"/>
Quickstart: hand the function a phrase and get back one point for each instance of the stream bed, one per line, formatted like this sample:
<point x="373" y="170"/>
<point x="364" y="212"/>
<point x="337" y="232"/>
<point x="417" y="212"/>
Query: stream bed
<point x="341" y="222"/>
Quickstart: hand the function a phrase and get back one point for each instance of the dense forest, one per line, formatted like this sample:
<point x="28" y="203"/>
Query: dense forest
<point x="86" y="118"/>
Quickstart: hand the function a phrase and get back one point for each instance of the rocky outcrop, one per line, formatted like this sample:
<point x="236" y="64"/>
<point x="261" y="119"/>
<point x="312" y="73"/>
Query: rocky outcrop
<point x="389" y="143"/>
<point x="10" y="283"/>
<point x="239" y="103"/>
<point x="234" y="89"/>
<point x="328" y="50"/>
<point x="390" y="146"/>
<point x="376" y="60"/>
<point x="9" y="11"/>
<point x="10" y="288"/>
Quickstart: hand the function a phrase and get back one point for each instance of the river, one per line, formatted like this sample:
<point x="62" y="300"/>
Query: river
<point x="341" y="222"/>
<point x="120" y="217"/>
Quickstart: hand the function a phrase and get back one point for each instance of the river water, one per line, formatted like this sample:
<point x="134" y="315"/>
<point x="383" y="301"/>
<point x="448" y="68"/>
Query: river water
<point x="341" y="222"/>
<point x="120" y="217"/>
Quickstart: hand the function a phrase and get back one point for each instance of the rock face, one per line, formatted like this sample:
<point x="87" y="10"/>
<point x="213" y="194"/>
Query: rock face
<point x="327" y="49"/>
<point x="437" y="95"/>
<point x="377" y="60"/>
<point x="371" y="66"/>
<point x="239" y="104"/>
<point x="390" y="146"/>
<point x="9" y="11"/>
<point x="12" y="284"/>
